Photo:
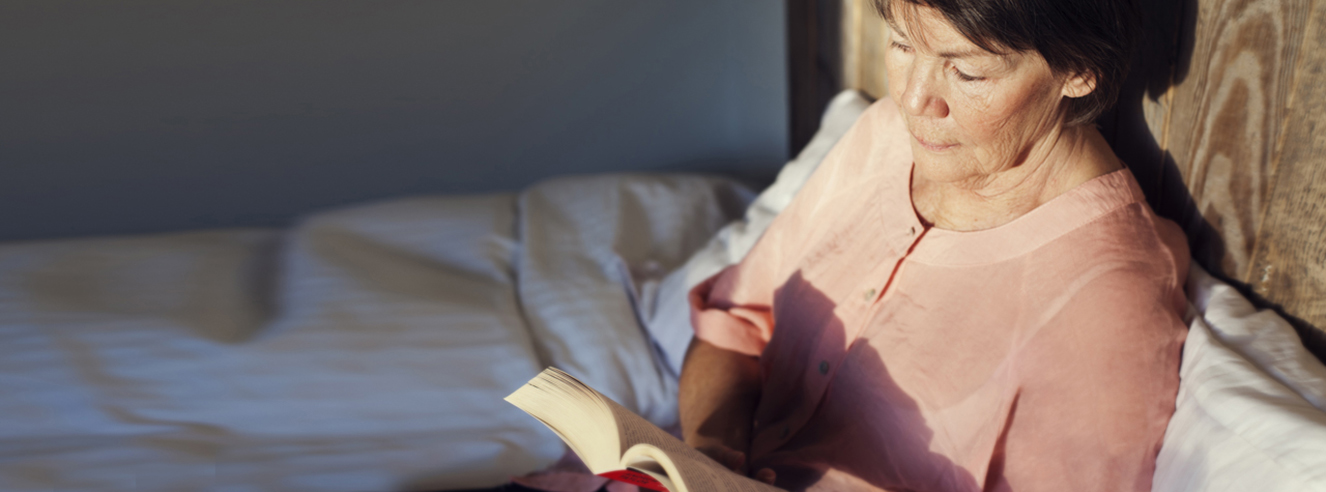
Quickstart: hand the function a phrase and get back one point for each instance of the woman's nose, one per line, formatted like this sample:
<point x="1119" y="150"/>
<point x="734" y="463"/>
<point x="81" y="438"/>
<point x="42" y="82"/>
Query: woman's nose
<point x="923" y="96"/>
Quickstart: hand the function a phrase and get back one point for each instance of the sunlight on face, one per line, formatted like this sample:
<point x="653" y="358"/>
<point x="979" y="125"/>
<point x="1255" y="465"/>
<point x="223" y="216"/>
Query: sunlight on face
<point x="971" y="113"/>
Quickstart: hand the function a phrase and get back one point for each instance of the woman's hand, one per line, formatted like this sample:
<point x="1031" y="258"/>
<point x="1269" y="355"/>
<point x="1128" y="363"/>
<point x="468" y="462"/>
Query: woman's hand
<point x="719" y="389"/>
<point x="736" y="461"/>
<point x="731" y="458"/>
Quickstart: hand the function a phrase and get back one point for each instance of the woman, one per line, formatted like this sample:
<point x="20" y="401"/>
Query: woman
<point x="970" y="293"/>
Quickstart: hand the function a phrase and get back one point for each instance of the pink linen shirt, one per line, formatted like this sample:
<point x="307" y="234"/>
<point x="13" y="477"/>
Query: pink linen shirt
<point x="1042" y="354"/>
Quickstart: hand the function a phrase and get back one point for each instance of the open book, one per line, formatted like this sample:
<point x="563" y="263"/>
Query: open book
<point x="618" y="444"/>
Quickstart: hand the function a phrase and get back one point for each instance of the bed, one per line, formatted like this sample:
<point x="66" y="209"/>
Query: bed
<point x="368" y="347"/>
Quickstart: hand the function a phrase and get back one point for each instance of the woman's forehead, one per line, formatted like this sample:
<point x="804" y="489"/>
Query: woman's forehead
<point x="927" y="28"/>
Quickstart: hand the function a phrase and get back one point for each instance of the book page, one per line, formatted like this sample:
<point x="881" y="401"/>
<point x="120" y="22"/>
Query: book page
<point x="634" y="429"/>
<point x="608" y="437"/>
<point x="576" y="413"/>
<point x="695" y="471"/>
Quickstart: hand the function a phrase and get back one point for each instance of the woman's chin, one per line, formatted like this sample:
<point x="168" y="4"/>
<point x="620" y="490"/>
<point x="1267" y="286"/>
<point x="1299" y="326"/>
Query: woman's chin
<point x="939" y="169"/>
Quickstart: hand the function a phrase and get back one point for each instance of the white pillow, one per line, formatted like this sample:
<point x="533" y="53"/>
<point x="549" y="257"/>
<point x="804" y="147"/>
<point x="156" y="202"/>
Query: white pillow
<point x="1249" y="414"/>
<point x="669" y="323"/>
<point x="1262" y="337"/>
<point x="592" y="250"/>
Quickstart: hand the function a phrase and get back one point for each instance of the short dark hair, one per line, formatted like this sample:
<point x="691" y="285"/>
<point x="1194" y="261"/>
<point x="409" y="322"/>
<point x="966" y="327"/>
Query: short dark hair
<point x="1074" y="36"/>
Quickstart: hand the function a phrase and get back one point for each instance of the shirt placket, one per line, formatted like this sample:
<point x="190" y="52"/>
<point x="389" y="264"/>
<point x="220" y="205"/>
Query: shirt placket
<point x="827" y="358"/>
<point x="879" y="292"/>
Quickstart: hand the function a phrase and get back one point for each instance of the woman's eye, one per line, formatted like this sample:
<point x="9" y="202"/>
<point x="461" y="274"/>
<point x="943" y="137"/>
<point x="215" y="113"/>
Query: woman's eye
<point x="901" y="47"/>
<point x="967" y="78"/>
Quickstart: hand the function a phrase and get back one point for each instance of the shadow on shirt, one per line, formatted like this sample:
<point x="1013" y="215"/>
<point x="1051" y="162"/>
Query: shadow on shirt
<point x="889" y="449"/>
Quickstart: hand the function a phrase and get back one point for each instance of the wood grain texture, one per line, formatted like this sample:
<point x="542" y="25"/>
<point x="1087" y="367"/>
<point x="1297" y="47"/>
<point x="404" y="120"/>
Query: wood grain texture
<point x="1156" y="114"/>
<point x="1240" y="129"/>
<point x="1226" y="117"/>
<point x="1289" y="262"/>
<point x="865" y="38"/>
<point x="850" y="43"/>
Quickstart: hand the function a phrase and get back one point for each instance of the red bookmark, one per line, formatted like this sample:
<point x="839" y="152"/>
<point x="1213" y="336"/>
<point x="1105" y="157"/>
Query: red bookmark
<point x="635" y="478"/>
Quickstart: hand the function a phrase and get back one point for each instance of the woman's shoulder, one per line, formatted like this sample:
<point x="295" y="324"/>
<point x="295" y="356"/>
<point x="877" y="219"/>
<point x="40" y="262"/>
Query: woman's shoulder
<point x="1117" y="279"/>
<point x="1128" y="252"/>
<point x="876" y="144"/>
<point x="861" y="177"/>
<point x="886" y="118"/>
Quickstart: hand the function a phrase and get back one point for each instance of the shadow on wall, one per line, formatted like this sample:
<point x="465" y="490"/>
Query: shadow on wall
<point x="1162" y="60"/>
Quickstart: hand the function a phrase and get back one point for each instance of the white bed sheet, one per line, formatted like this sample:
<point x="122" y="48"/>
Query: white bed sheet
<point x="365" y="349"/>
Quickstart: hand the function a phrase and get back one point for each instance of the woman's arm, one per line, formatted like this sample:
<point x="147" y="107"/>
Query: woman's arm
<point x="719" y="390"/>
<point x="733" y="316"/>
<point x="1098" y="384"/>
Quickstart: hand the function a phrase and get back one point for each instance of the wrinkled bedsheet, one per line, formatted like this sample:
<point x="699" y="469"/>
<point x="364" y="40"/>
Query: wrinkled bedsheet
<point x="365" y="348"/>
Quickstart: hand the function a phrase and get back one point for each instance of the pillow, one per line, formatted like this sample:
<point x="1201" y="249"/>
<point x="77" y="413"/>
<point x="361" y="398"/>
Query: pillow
<point x="1249" y="414"/>
<point x="669" y="322"/>
<point x="1262" y="337"/>
<point x="593" y="249"/>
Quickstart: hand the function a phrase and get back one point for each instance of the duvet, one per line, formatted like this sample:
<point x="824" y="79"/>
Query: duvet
<point x="365" y="348"/>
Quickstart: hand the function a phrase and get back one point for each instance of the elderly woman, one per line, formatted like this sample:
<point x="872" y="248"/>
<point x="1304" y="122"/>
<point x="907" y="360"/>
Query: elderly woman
<point x="971" y="293"/>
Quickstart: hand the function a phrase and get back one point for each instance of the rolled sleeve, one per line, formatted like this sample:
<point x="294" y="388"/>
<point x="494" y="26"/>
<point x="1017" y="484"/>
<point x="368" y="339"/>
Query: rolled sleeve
<point x="733" y="309"/>
<point x="719" y="320"/>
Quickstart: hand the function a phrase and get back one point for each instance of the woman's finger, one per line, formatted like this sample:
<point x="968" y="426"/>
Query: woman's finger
<point x="766" y="475"/>
<point x="725" y="456"/>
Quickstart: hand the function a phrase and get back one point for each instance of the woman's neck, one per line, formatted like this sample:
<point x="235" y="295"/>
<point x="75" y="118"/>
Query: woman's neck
<point x="1075" y="156"/>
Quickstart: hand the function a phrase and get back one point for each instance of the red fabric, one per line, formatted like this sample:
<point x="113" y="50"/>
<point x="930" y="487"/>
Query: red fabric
<point x="570" y="475"/>
<point x="1042" y="354"/>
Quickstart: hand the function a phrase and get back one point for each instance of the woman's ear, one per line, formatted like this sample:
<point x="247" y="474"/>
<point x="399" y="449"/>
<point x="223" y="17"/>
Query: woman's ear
<point x="1079" y="84"/>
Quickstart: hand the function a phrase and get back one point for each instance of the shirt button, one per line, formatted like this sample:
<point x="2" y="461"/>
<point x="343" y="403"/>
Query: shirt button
<point x="824" y="367"/>
<point x="870" y="293"/>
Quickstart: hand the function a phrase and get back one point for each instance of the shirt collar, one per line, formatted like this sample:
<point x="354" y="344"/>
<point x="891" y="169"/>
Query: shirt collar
<point x="1077" y="207"/>
<point x="1067" y="212"/>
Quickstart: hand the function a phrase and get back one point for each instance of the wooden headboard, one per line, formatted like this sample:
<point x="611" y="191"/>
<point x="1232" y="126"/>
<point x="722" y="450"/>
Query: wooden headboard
<point x="1223" y="121"/>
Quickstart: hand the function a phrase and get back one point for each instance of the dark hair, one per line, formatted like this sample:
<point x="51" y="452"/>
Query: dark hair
<point x="1074" y="36"/>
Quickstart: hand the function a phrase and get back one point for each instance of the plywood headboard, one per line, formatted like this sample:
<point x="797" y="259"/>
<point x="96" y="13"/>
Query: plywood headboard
<point x="1223" y="121"/>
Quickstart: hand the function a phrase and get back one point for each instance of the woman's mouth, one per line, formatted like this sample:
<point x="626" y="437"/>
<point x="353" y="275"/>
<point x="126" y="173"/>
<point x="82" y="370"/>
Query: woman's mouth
<point x="932" y="146"/>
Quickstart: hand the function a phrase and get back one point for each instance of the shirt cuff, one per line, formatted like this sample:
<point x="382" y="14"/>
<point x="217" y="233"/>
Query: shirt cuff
<point x="720" y="327"/>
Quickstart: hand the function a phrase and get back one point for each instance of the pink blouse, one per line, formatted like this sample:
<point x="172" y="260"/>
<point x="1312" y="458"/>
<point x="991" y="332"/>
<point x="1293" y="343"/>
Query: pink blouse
<point x="1039" y="355"/>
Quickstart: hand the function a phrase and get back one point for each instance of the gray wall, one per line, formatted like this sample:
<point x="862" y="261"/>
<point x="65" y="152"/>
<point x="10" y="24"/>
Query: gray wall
<point x="141" y="116"/>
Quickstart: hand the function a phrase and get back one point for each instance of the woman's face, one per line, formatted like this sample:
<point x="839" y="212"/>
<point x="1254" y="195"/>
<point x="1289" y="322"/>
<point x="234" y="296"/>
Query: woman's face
<point x="971" y="113"/>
